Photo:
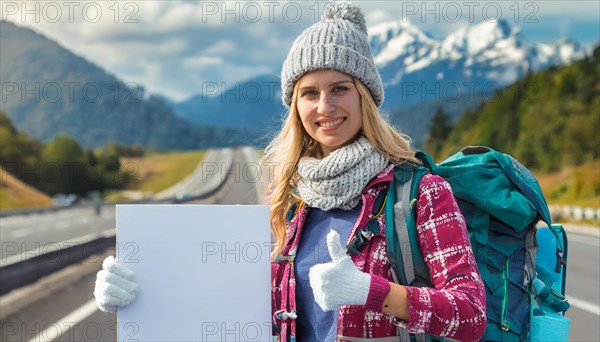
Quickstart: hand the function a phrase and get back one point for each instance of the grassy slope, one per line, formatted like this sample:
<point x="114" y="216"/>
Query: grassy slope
<point x="16" y="194"/>
<point x="157" y="172"/>
<point x="578" y="186"/>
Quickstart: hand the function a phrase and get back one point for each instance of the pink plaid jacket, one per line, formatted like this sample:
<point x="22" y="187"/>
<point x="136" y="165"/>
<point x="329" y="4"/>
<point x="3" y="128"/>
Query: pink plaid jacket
<point x="454" y="308"/>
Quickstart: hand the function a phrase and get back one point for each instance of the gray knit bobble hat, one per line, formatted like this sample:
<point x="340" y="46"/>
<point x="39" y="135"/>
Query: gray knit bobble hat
<point x="339" y="41"/>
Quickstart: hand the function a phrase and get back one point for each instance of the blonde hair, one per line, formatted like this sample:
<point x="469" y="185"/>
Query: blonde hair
<point x="293" y="142"/>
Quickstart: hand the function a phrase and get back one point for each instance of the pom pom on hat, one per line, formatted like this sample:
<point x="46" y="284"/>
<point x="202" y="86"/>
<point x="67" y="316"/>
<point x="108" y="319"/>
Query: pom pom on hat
<point x="346" y="11"/>
<point x="339" y="42"/>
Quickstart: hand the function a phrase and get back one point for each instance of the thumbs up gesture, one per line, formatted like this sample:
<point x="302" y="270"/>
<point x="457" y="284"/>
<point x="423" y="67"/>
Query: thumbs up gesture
<point x="338" y="282"/>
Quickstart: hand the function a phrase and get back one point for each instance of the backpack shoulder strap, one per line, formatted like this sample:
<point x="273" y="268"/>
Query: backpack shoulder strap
<point x="404" y="253"/>
<point x="399" y="200"/>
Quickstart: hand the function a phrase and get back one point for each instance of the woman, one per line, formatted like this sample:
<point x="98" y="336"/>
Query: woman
<point x="333" y="156"/>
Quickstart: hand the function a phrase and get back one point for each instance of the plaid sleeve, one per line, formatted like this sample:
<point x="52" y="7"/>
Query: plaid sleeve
<point x="455" y="308"/>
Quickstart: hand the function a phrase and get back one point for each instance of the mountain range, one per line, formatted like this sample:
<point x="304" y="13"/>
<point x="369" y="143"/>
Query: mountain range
<point x="48" y="90"/>
<point x="420" y="74"/>
<point x="474" y="59"/>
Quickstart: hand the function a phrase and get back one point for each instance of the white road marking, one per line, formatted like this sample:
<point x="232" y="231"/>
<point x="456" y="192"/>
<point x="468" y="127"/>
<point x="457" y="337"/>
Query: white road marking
<point x="54" y="330"/>
<point x="584" y="305"/>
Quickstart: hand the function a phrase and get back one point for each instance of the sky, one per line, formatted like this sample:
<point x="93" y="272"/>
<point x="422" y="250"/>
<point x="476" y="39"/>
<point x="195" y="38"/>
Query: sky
<point x="175" y="48"/>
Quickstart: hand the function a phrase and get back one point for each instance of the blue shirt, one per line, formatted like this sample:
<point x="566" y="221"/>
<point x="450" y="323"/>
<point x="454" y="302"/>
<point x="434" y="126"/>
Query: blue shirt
<point x="313" y="324"/>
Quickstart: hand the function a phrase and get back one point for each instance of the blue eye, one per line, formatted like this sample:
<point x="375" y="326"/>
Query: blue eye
<point x="311" y="93"/>
<point x="339" y="88"/>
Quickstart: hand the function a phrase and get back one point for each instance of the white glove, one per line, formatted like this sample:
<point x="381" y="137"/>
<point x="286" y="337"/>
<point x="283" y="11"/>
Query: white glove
<point x="114" y="286"/>
<point x="338" y="282"/>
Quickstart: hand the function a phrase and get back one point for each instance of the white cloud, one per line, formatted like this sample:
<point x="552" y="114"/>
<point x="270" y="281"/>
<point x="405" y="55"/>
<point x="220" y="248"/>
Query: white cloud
<point x="202" y="61"/>
<point x="379" y="16"/>
<point x="222" y="47"/>
<point x="181" y="16"/>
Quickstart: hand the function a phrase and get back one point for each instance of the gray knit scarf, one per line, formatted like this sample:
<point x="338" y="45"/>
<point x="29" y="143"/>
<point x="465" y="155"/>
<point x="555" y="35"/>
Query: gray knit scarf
<point x="337" y="181"/>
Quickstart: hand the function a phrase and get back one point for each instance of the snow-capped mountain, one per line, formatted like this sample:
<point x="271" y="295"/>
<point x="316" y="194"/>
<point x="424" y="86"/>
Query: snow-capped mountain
<point x="479" y="59"/>
<point x="420" y="73"/>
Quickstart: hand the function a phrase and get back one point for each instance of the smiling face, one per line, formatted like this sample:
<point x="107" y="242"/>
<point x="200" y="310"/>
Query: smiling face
<point x="329" y="107"/>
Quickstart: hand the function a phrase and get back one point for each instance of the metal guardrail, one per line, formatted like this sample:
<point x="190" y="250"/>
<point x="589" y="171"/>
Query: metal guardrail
<point x="574" y="213"/>
<point x="24" y="271"/>
<point x="40" y="210"/>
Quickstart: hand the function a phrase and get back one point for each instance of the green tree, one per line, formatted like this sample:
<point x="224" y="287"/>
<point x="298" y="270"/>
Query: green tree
<point x="438" y="133"/>
<point x="19" y="154"/>
<point x="63" y="166"/>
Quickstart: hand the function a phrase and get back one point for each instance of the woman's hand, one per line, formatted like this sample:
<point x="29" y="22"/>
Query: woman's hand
<point x="338" y="282"/>
<point x="114" y="286"/>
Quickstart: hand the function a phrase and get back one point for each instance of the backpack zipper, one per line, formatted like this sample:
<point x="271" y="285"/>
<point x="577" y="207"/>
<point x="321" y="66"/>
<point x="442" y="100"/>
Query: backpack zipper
<point x="504" y="324"/>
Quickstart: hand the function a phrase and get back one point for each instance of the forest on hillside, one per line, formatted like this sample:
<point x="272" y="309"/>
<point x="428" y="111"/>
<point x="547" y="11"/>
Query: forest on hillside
<point x="548" y="120"/>
<point x="62" y="165"/>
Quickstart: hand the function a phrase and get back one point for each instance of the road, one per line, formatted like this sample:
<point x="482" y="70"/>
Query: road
<point x="77" y="319"/>
<point x="45" y="232"/>
<point x="208" y="175"/>
<point x="73" y="320"/>
<point x="583" y="286"/>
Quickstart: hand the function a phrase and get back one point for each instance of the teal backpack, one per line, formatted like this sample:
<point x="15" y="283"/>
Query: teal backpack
<point x="523" y="266"/>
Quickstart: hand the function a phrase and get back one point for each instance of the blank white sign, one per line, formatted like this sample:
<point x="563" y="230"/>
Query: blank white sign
<point x="203" y="272"/>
